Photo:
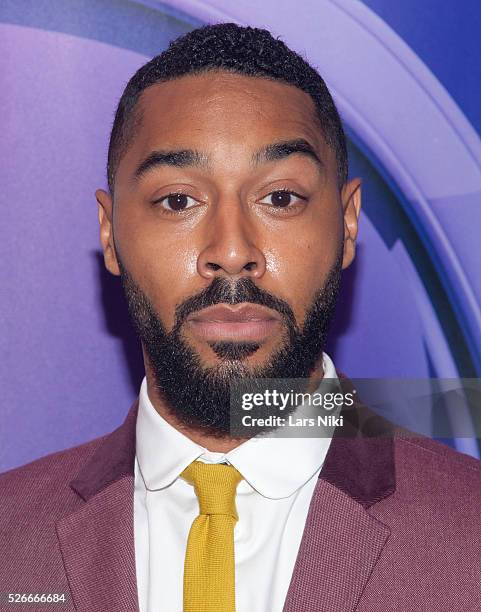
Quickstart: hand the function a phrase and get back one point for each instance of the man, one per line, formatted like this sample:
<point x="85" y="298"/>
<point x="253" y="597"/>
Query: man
<point x="229" y="218"/>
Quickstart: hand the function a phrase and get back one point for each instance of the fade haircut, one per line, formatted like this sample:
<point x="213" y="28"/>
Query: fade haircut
<point x="227" y="46"/>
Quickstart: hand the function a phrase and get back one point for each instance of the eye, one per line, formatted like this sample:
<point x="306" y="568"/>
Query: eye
<point x="176" y="201"/>
<point x="283" y="198"/>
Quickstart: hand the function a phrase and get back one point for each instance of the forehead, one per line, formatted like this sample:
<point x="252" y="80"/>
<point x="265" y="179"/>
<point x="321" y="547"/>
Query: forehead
<point x="216" y="105"/>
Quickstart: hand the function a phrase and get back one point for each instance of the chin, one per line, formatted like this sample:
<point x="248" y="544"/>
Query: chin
<point x="233" y="359"/>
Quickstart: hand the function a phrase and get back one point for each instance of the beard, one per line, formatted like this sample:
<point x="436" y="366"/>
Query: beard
<point x="199" y="396"/>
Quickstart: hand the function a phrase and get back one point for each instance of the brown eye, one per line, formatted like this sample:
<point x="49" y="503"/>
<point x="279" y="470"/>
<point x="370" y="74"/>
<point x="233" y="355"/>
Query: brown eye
<point x="176" y="201"/>
<point x="282" y="198"/>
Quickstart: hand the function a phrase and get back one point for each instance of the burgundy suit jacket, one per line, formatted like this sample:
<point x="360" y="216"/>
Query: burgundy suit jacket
<point x="394" y="525"/>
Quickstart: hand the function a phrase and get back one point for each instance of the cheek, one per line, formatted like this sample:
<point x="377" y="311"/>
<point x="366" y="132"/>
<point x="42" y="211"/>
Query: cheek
<point x="163" y="264"/>
<point x="169" y="281"/>
<point x="299" y="267"/>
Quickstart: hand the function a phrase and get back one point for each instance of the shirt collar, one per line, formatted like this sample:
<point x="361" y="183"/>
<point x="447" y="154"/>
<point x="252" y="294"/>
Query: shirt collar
<point x="275" y="467"/>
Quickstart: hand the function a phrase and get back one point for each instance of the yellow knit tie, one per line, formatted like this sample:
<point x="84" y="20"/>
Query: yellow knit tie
<point x="209" y="571"/>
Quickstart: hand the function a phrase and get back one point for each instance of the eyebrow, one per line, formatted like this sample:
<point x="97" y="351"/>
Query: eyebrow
<point x="179" y="159"/>
<point x="281" y="150"/>
<point x="183" y="158"/>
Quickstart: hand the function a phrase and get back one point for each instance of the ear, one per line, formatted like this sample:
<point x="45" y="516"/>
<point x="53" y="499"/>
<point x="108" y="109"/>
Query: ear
<point x="351" y="204"/>
<point x="106" y="231"/>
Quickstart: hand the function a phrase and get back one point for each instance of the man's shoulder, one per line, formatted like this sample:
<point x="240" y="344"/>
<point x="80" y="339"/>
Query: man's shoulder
<point x="434" y="474"/>
<point x="44" y="482"/>
<point x="426" y="452"/>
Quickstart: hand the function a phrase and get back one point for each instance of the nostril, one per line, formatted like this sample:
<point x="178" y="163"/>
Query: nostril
<point x="250" y="266"/>
<point x="212" y="266"/>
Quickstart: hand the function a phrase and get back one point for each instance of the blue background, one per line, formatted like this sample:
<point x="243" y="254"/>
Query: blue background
<point x="71" y="364"/>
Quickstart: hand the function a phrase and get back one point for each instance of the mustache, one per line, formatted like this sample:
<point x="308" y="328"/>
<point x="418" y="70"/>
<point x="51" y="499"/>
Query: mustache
<point x="225" y="291"/>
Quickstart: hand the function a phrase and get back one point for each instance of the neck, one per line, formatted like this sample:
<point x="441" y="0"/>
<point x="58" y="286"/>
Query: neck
<point x="210" y="442"/>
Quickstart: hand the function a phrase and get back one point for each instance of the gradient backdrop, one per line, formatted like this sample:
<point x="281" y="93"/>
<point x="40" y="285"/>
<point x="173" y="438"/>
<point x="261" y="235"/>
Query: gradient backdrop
<point x="406" y="77"/>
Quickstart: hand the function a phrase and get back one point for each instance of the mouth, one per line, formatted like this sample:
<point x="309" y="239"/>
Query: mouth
<point x="243" y="322"/>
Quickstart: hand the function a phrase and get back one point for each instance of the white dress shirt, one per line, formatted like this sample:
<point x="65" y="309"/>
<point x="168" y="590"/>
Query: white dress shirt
<point x="272" y="503"/>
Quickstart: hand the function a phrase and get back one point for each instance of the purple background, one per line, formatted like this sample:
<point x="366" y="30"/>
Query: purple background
<point x="410" y="304"/>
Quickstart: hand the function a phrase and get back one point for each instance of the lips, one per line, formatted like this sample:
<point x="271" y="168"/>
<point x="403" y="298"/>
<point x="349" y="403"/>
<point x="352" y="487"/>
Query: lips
<point x="241" y="322"/>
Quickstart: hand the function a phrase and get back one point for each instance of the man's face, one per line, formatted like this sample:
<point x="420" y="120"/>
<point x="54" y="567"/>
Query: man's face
<point x="231" y="217"/>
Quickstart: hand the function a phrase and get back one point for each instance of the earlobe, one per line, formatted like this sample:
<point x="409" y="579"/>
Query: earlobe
<point x="351" y="202"/>
<point x="105" y="209"/>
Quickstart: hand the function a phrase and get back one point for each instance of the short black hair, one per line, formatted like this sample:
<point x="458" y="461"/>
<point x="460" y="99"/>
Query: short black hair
<point x="227" y="46"/>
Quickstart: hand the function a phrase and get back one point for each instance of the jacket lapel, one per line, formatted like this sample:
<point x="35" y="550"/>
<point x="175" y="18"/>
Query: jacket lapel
<point x="342" y="541"/>
<point x="97" y="539"/>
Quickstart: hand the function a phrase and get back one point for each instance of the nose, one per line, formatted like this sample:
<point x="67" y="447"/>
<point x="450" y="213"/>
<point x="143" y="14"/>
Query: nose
<point x="230" y="246"/>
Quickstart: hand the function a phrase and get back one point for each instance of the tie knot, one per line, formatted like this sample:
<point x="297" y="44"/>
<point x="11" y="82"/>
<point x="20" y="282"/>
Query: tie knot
<point x="215" y="485"/>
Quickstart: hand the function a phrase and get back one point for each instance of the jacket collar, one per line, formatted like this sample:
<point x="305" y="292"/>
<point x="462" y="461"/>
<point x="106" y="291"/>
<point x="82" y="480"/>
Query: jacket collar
<point x="359" y="462"/>
<point x="113" y="459"/>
